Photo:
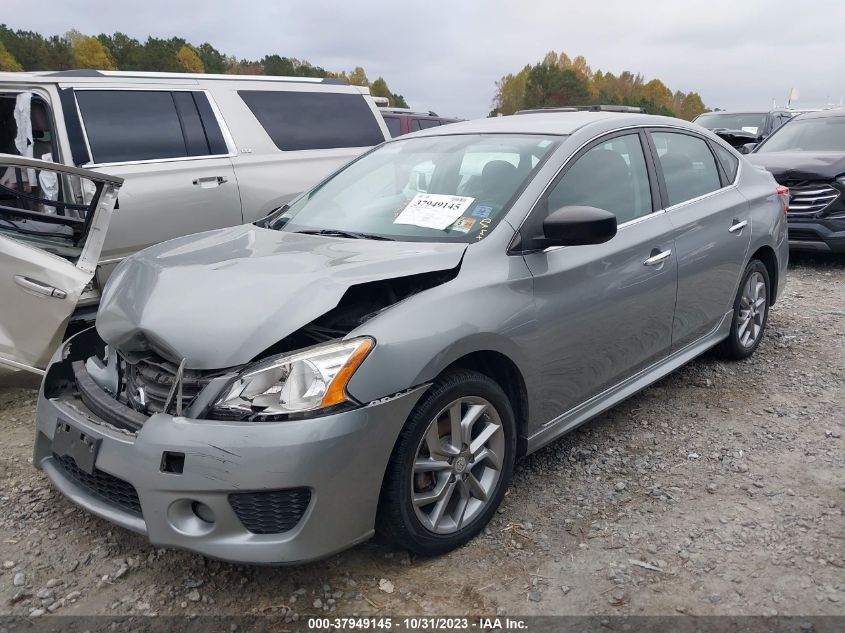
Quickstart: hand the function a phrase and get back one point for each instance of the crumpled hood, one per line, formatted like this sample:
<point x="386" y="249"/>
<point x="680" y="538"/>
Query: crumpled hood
<point x="220" y="298"/>
<point x="801" y="165"/>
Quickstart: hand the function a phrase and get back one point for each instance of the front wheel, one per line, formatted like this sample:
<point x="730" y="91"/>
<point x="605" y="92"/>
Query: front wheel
<point x="751" y="312"/>
<point x="451" y="465"/>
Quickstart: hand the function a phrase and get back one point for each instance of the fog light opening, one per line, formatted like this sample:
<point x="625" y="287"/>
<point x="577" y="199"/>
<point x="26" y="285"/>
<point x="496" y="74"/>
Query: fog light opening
<point x="203" y="512"/>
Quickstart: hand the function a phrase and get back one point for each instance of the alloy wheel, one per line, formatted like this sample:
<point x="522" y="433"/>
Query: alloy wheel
<point x="752" y="310"/>
<point x="458" y="464"/>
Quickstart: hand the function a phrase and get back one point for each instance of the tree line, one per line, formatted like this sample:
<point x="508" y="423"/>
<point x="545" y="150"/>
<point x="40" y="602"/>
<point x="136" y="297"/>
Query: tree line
<point x="558" y="80"/>
<point x="26" y="50"/>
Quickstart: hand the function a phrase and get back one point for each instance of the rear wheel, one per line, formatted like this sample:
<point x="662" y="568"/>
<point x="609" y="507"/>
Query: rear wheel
<point x="751" y="312"/>
<point x="451" y="465"/>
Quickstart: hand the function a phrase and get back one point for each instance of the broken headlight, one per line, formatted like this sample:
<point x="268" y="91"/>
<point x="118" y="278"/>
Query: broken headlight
<point x="310" y="380"/>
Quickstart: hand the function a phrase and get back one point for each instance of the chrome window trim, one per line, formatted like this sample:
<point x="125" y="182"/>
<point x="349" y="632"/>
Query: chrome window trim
<point x="640" y="126"/>
<point x="227" y="135"/>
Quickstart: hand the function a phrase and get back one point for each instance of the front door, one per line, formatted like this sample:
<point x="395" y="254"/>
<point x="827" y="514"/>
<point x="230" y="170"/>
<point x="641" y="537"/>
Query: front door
<point x="53" y="220"/>
<point x="603" y="311"/>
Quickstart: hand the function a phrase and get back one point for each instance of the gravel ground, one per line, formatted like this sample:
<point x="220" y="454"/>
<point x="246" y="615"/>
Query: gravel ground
<point x="719" y="490"/>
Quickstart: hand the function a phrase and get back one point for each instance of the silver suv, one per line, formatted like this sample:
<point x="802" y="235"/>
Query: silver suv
<point x="197" y="152"/>
<point x="378" y="353"/>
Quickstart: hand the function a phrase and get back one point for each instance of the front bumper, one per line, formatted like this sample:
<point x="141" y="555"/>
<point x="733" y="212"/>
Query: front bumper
<point x="817" y="234"/>
<point x="340" y="459"/>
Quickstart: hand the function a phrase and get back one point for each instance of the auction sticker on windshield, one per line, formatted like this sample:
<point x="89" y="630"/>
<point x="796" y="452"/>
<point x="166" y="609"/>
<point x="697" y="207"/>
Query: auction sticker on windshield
<point x="433" y="210"/>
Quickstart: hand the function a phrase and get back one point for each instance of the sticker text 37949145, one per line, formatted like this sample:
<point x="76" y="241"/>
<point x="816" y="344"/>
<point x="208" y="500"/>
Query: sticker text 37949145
<point x="433" y="210"/>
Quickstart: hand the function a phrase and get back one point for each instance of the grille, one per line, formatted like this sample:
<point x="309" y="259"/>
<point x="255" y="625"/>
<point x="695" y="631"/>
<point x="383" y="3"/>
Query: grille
<point x="106" y="487"/>
<point x="153" y="376"/>
<point x="271" y="511"/>
<point x="808" y="198"/>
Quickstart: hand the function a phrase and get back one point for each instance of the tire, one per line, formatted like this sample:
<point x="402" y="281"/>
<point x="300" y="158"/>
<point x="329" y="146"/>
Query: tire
<point x="745" y="336"/>
<point x="427" y="529"/>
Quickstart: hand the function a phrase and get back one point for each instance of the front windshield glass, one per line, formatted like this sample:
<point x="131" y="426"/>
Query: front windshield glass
<point x="436" y="188"/>
<point x="808" y="135"/>
<point x="752" y="122"/>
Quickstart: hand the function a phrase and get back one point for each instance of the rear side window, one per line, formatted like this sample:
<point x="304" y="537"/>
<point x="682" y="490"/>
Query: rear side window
<point x="132" y="125"/>
<point x="688" y="165"/>
<point x="394" y="125"/>
<point x="730" y="163"/>
<point x="423" y="124"/>
<point x="314" y="120"/>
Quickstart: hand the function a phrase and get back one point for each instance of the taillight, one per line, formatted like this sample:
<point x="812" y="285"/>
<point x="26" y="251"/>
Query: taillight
<point x="783" y="195"/>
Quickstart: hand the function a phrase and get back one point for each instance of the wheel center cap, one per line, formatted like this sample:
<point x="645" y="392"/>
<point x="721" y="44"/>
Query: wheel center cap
<point x="459" y="465"/>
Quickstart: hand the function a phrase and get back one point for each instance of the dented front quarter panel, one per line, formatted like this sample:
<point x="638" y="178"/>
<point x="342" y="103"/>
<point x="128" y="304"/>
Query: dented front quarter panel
<point x="488" y="307"/>
<point x="220" y="298"/>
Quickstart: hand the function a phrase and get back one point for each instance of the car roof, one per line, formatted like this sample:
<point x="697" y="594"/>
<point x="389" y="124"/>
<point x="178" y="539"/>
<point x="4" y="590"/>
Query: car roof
<point x="94" y="76"/>
<point x="549" y="123"/>
<point x="823" y="114"/>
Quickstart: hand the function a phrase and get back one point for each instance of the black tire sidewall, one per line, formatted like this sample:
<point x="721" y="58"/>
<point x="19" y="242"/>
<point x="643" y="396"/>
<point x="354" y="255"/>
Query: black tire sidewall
<point x="398" y="512"/>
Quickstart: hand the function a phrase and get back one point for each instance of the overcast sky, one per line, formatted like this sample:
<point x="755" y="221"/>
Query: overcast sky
<point x="446" y="56"/>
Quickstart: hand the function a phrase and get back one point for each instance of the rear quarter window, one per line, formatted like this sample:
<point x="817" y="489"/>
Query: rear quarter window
<point x="314" y="120"/>
<point x="729" y="162"/>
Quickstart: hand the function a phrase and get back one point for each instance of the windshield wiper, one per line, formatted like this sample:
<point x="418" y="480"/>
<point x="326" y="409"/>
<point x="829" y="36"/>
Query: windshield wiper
<point x="339" y="233"/>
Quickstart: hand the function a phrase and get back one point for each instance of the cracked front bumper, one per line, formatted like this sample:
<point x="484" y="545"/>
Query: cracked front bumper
<point x="340" y="459"/>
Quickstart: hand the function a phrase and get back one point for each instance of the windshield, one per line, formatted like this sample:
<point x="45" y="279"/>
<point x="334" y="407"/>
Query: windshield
<point x="808" y="135"/>
<point x="437" y="188"/>
<point x="752" y="122"/>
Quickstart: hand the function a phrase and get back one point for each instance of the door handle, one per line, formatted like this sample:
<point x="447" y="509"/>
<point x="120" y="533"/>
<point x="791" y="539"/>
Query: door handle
<point x="40" y="288"/>
<point x="209" y="181"/>
<point x="659" y="258"/>
<point x="737" y="226"/>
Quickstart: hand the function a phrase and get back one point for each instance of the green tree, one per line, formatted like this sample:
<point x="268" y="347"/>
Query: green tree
<point x="189" y="60"/>
<point x="7" y="62"/>
<point x="691" y="106"/>
<point x="278" y="66"/>
<point x="212" y="60"/>
<point x="547" y="86"/>
<point x="126" y="51"/>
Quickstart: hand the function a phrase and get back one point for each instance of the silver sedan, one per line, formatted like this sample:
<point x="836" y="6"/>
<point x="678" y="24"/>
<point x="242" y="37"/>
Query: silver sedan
<point x="377" y="354"/>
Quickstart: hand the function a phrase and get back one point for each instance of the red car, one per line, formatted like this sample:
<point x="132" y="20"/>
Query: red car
<point x="404" y="120"/>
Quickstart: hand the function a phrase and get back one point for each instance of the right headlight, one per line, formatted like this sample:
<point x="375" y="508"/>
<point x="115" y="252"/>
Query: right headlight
<point x="312" y="380"/>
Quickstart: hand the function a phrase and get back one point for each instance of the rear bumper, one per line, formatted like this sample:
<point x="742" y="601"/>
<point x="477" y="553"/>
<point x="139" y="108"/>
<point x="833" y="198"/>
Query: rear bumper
<point x="824" y="234"/>
<point x="338" y="461"/>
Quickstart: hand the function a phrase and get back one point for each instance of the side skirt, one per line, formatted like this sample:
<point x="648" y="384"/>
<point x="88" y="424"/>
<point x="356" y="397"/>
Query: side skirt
<point x="612" y="396"/>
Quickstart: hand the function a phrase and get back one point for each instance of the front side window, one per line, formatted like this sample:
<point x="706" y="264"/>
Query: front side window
<point x="439" y="189"/>
<point x="314" y="120"/>
<point x="688" y="165"/>
<point x="133" y="125"/>
<point x="808" y="135"/>
<point x="610" y="176"/>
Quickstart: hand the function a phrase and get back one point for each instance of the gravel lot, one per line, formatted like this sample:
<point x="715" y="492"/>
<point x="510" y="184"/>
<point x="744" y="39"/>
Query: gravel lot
<point x="719" y="490"/>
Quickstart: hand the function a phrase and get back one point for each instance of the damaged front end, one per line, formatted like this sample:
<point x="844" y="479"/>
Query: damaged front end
<point x="302" y="375"/>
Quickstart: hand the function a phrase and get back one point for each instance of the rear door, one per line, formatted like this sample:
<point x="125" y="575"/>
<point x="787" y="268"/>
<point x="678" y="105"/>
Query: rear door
<point x="713" y="228"/>
<point x="172" y="151"/>
<point x="53" y="220"/>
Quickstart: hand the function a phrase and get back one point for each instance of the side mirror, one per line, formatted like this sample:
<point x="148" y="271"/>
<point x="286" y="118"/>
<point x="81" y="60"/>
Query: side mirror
<point x="578" y="226"/>
<point x="747" y="148"/>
